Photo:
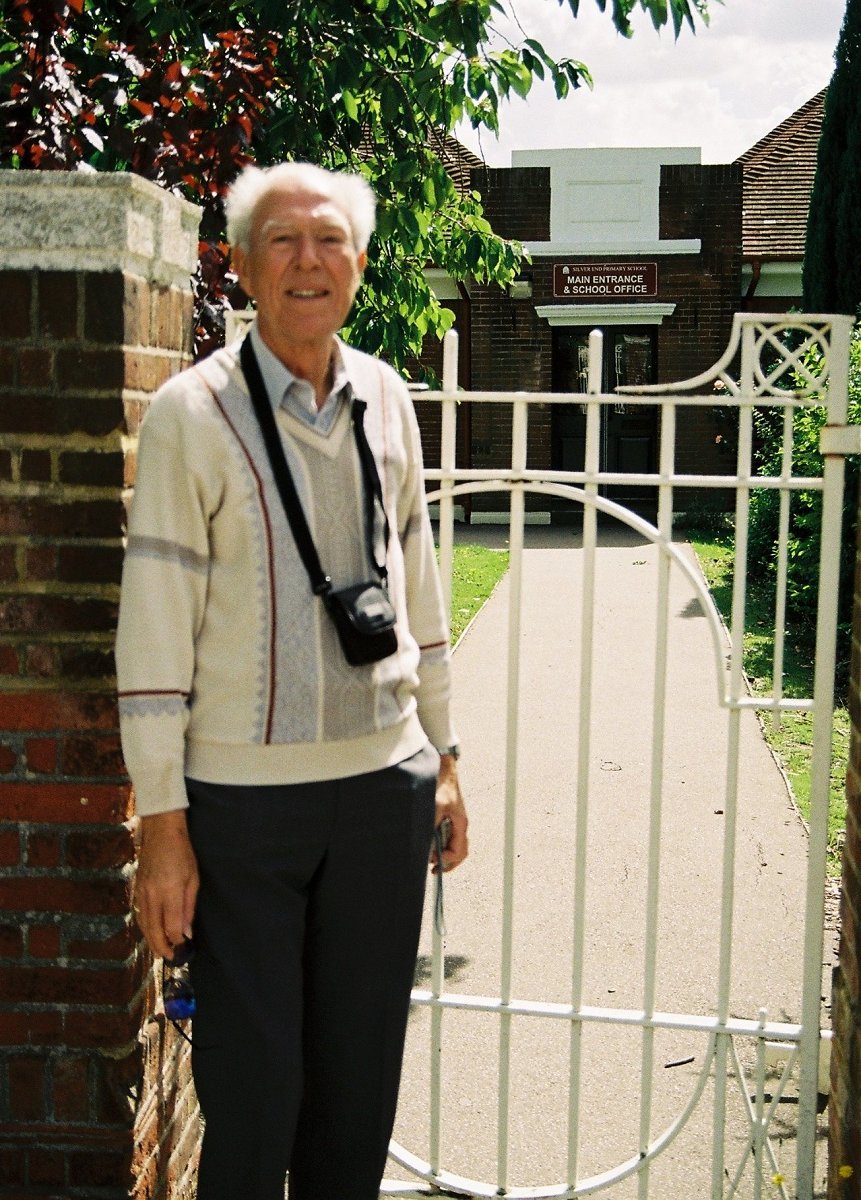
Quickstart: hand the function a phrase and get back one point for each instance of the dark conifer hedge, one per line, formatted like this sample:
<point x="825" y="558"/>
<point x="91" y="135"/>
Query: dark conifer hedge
<point x="832" y="258"/>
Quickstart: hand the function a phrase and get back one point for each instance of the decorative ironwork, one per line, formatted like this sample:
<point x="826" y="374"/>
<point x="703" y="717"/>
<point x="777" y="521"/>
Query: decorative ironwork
<point x="771" y="361"/>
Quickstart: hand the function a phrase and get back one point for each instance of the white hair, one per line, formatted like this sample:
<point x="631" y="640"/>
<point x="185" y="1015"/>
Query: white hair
<point x="351" y="193"/>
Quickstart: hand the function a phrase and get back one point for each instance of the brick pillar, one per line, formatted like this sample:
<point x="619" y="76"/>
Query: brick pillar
<point x="844" y="1157"/>
<point x="95" y="312"/>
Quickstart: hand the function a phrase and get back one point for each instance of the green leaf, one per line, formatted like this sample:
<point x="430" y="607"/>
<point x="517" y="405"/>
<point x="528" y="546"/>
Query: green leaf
<point x="476" y="80"/>
<point x="534" y="65"/>
<point x="658" y="10"/>
<point x="474" y="251"/>
<point x="368" y="84"/>
<point x="429" y="191"/>
<point x="350" y="105"/>
<point x="521" y="80"/>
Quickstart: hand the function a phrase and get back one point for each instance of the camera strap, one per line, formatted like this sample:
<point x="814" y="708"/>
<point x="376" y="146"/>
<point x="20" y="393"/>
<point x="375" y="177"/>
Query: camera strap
<point x="377" y="529"/>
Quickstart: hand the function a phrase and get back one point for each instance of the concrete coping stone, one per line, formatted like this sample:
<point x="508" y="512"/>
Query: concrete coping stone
<point x="86" y="221"/>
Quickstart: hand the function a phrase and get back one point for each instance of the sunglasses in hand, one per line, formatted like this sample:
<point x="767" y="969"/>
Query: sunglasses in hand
<point x="177" y="992"/>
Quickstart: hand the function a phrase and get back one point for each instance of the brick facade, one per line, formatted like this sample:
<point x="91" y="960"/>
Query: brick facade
<point x="510" y="346"/>
<point x="86" y="1098"/>
<point x="702" y="202"/>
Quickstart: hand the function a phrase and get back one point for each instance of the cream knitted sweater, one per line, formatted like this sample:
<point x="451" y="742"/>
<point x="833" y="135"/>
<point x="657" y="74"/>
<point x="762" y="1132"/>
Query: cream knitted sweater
<point x="229" y="669"/>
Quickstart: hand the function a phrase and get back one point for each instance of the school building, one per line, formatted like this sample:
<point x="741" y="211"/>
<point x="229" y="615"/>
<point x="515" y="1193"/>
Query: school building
<point x="652" y="247"/>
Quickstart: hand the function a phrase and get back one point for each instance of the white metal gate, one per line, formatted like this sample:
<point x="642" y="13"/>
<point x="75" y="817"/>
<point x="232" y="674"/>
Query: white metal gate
<point x="773" y="361"/>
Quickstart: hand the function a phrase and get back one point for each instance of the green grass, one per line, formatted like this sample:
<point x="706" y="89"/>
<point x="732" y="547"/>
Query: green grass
<point x="792" y="740"/>
<point x="476" y="572"/>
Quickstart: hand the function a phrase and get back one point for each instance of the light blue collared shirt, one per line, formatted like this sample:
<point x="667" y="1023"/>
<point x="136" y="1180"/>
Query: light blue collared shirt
<point x="297" y="395"/>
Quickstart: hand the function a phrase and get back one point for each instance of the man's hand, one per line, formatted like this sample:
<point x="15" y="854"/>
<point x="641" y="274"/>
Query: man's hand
<point x="449" y="803"/>
<point x="167" y="882"/>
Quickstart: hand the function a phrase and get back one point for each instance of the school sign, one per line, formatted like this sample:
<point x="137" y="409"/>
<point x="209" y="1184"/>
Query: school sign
<point x="607" y="280"/>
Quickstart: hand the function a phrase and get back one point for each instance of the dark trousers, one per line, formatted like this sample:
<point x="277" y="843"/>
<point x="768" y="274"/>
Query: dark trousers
<point x="306" y="936"/>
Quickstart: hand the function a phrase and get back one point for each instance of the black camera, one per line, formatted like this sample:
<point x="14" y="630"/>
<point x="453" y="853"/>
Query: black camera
<point x="365" y="621"/>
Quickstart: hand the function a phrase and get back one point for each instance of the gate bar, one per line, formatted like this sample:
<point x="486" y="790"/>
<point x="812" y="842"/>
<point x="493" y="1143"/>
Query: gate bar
<point x="584" y="727"/>
<point x="799" y="483"/>
<point x="820" y="770"/>
<point x="659" y="706"/>
<point x="782" y="563"/>
<point x="448" y="443"/>
<point x="519" y="418"/>
<point x="743" y="472"/>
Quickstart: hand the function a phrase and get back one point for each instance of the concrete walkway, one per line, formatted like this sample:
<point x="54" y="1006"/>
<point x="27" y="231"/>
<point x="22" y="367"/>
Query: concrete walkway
<point x="769" y="882"/>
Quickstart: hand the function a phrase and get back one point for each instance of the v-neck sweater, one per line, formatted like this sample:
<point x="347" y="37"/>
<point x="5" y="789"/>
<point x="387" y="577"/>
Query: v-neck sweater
<point x="229" y="668"/>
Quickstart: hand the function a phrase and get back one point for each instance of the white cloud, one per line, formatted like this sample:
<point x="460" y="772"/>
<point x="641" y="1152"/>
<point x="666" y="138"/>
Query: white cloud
<point x="720" y="89"/>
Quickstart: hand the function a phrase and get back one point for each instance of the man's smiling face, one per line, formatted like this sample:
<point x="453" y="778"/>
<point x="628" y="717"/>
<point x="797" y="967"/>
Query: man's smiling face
<point x="303" y="269"/>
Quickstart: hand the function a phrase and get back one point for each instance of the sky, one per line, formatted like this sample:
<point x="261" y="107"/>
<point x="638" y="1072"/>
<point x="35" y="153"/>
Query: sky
<point x="720" y="89"/>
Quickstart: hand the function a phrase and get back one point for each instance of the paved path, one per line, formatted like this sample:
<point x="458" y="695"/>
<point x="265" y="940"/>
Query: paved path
<point x="768" y="931"/>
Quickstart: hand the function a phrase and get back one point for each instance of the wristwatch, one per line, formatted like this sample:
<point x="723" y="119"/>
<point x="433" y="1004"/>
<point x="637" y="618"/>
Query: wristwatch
<point x="454" y="751"/>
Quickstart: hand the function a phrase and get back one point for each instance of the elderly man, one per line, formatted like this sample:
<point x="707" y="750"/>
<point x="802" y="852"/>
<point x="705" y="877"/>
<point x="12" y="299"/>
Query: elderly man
<point x="287" y="796"/>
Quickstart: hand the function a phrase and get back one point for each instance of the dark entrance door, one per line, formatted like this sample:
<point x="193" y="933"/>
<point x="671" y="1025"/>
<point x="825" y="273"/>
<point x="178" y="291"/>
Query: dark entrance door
<point x="629" y="433"/>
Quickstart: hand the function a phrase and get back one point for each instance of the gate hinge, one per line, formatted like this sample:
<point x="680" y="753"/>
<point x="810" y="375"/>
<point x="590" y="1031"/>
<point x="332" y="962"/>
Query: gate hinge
<point x="840" y="439"/>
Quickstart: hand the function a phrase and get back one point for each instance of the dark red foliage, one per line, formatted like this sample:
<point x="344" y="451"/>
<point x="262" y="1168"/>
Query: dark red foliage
<point x="124" y="98"/>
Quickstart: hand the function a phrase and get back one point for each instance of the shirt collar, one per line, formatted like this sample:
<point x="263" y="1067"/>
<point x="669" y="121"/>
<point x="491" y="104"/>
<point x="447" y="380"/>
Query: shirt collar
<point x="297" y="395"/>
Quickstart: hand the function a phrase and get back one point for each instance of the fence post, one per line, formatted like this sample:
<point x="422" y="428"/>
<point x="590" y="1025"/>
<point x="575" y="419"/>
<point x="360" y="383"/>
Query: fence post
<point x="844" y="1159"/>
<point x="95" y="313"/>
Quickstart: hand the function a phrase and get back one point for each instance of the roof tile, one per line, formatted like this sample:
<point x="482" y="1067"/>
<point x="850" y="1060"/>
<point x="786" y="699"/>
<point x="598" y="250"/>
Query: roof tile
<point x="778" y="179"/>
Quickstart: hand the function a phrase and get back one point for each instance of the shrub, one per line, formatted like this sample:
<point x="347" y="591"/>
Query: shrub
<point x="805" y="515"/>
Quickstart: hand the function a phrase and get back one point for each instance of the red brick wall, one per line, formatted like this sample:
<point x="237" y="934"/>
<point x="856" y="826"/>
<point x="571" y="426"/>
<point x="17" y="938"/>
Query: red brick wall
<point x="844" y="1110"/>
<point x="511" y="351"/>
<point x="700" y="202"/>
<point x="83" y="1101"/>
<point x="516" y="201"/>
<point x="705" y="203"/>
